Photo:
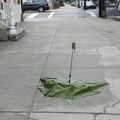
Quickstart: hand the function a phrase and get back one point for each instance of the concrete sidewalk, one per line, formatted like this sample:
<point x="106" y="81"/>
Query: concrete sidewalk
<point x="45" y="50"/>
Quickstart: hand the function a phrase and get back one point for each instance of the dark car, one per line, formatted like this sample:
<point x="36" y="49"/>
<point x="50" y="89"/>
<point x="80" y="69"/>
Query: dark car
<point x="91" y="5"/>
<point x="40" y="5"/>
<point x="61" y="3"/>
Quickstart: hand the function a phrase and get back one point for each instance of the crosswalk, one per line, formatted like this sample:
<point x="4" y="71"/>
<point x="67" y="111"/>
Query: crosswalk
<point x="92" y="14"/>
<point x="58" y="14"/>
<point x="51" y="14"/>
<point x="32" y="15"/>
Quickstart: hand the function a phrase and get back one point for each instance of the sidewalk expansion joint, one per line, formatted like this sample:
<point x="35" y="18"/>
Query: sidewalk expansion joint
<point x="95" y="113"/>
<point x="7" y="111"/>
<point x="64" y="112"/>
<point x="95" y="116"/>
<point x="84" y="67"/>
<point x="59" y="112"/>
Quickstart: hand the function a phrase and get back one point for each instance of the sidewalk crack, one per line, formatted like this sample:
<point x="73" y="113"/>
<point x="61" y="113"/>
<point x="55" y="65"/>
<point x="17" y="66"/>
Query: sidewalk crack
<point x="112" y="106"/>
<point x="95" y="116"/>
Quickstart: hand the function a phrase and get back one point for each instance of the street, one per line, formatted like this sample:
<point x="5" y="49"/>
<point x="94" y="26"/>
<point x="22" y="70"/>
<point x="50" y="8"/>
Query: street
<point x="80" y="13"/>
<point x="45" y="51"/>
<point x="69" y="13"/>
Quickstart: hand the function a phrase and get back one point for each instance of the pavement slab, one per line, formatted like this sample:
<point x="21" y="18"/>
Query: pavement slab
<point x="78" y="73"/>
<point x="22" y="60"/>
<point x="80" y="60"/>
<point x="81" y="45"/>
<point x="114" y="38"/>
<point x="108" y="117"/>
<point x="40" y="42"/>
<point x="79" y="37"/>
<point x="17" y="88"/>
<point x="12" y="116"/>
<point x="42" y="23"/>
<point x="112" y="77"/>
<point x="74" y="30"/>
<point x="85" y="105"/>
<point x="42" y="30"/>
<point x="60" y="116"/>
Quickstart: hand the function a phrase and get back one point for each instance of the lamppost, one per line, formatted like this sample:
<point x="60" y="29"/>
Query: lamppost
<point x="12" y="30"/>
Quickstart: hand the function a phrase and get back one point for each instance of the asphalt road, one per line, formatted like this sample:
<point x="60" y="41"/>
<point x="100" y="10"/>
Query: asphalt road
<point x="62" y="14"/>
<point x="55" y="13"/>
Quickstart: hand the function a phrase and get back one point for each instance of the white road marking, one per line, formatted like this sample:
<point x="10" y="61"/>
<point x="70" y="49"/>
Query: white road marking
<point x="51" y="14"/>
<point x="93" y="15"/>
<point x="33" y="15"/>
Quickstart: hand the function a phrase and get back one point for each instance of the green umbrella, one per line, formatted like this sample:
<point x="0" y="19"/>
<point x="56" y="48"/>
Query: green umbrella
<point x="69" y="88"/>
<point x="61" y="88"/>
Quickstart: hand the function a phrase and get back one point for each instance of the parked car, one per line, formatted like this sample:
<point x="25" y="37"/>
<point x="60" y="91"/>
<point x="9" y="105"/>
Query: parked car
<point x="61" y="3"/>
<point x="91" y="5"/>
<point x="40" y="5"/>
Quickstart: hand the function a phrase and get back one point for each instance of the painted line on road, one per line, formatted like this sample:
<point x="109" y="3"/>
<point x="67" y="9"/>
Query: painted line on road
<point x="51" y="14"/>
<point x="33" y="15"/>
<point x="93" y="15"/>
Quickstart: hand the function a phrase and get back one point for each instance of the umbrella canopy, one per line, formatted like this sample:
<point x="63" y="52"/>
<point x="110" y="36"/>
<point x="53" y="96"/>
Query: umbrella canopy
<point x="61" y="88"/>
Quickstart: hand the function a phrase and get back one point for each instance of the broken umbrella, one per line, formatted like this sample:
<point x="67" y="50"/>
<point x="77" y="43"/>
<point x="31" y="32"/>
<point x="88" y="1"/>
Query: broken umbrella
<point x="69" y="88"/>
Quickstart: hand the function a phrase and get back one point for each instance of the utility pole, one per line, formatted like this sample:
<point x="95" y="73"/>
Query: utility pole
<point x="22" y="19"/>
<point x="84" y="4"/>
<point x="78" y="4"/>
<point x="102" y="8"/>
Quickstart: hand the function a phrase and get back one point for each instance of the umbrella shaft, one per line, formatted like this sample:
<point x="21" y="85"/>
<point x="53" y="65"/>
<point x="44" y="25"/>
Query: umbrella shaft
<point x="69" y="78"/>
<point x="71" y="66"/>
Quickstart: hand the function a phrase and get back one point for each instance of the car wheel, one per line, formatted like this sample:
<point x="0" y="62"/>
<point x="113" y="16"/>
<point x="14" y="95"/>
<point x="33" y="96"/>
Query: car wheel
<point x="41" y="9"/>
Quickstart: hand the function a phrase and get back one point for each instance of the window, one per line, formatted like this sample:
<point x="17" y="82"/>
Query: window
<point x="29" y="1"/>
